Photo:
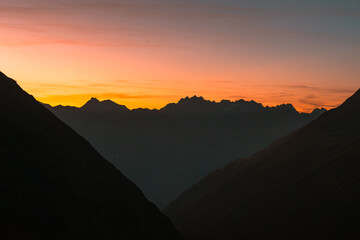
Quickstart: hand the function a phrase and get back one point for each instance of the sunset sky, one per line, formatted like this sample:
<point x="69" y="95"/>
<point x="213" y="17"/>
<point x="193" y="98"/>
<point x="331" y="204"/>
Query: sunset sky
<point x="146" y="53"/>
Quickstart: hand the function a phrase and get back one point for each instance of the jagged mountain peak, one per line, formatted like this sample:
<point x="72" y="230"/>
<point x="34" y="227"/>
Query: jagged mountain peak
<point x="93" y="100"/>
<point x="318" y="111"/>
<point x="285" y="107"/>
<point x="194" y="99"/>
<point x="104" y="106"/>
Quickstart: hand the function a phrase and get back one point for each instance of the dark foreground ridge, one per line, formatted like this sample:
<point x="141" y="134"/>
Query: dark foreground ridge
<point x="304" y="186"/>
<point x="54" y="185"/>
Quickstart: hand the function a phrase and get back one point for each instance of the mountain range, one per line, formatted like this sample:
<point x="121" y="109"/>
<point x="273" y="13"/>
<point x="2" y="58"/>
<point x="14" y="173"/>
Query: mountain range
<point x="166" y="151"/>
<point x="305" y="185"/>
<point x="54" y="185"/>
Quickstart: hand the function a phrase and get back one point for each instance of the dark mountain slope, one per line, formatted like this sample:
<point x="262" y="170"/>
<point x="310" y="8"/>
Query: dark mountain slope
<point x="54" y="185"/>
<point x="166" y="151"/>
<point x="304" y="186"/>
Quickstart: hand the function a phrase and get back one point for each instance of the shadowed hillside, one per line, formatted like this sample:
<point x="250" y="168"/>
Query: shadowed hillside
<point x="304" y="186"/>
<point x="54" y="185"/>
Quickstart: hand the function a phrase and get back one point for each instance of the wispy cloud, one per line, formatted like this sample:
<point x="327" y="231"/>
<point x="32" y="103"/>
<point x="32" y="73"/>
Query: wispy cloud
<point x="181" y="8"/>
<point x="320" y="89"/>
<point x="156" y="24"/>
<point x="304" y="97"/>
<point x="108" y="95"/>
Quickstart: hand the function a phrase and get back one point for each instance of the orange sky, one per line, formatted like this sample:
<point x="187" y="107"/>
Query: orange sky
<point x="149" y="53"/>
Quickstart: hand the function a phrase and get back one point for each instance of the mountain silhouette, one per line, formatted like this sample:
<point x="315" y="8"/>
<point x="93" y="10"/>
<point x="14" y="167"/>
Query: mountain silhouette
<point x="97" y="106"/>
<point x="54" y="185"/>
<point x="305" y="185"/>
<point x="166" y="151"/>
<point x="195" y="106"/>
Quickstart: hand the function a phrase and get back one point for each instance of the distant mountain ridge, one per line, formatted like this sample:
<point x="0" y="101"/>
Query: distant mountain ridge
<point x="166" y="151"/>
<point x="54" y="185"/>
<point x="190" y="106"/>
<point x="305" y="185"/>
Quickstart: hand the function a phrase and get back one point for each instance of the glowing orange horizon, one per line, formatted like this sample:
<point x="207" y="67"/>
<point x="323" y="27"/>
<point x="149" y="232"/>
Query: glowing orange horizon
<point x="147" y="54"/>
<point x="267" y="95"/>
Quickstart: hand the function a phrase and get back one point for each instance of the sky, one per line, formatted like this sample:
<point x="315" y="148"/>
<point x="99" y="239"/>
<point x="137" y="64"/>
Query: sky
<point x="147" y="53"/>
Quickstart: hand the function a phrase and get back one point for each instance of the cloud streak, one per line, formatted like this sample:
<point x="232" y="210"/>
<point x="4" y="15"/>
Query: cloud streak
<point x="135" y="23"/>
<point x="176" y="8"/>
<point x="318" y="89"/>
